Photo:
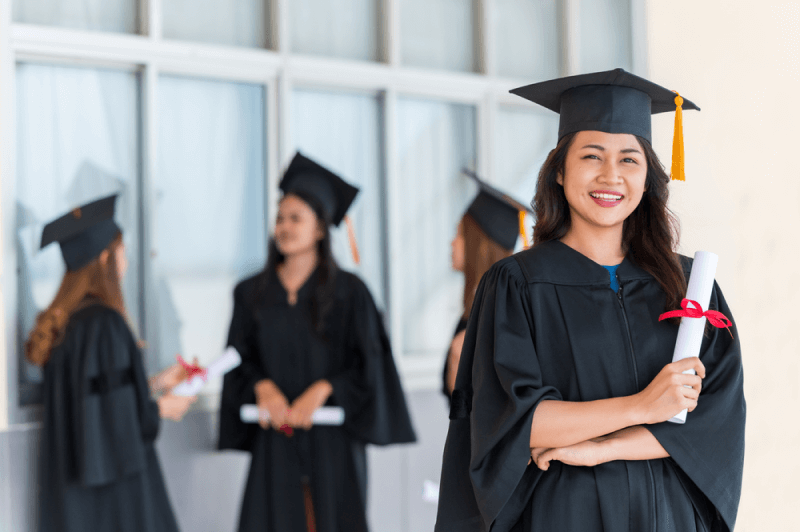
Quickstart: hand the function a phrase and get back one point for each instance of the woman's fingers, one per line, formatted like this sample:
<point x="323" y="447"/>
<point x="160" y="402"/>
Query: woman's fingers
<point x="690" y="363"/>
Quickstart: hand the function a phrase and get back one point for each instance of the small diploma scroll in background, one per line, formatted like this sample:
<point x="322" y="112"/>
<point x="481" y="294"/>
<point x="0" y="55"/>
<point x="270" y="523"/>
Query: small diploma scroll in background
<point x="229" y="360"/>
<point x="690" y="332"/>
<point x="326" y="415"/>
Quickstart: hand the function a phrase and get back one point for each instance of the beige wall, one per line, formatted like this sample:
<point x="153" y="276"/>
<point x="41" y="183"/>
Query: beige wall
<point x="740" y="62"/>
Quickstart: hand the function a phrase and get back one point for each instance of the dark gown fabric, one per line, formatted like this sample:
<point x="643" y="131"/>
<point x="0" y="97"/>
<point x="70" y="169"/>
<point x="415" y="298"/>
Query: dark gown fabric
<point x="278" y="341"/>
<point x="546" y="326"/>
<point x="462" y="325"/>
<point x="99" y="469"/>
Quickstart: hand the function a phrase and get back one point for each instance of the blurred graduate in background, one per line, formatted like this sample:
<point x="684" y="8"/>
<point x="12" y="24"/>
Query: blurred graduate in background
<point x="486" y="233"/>
<point x="99" y="468"/>
<point x="309" y="335"/>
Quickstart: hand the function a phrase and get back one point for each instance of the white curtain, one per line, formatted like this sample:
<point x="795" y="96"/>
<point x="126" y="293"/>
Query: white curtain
<point x="605" y="40"/>
<point x="527" y="38"/>
<point x="435" y="141"/>
<point x="438" y="34"/>
<point x="344" y="28"/>
<point x="341" y="131"/>
<point x="230" y="22"/>
<point x="101" y="15"/>
<point x="77" y="140"/>
<point x="207" y="220"/>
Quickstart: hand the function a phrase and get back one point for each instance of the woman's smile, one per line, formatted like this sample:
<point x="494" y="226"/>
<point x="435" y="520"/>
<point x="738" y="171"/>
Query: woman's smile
<point x="606" y="198"/>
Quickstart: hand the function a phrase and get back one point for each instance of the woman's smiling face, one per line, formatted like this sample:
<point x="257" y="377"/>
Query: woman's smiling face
<point x="604" y="178"/>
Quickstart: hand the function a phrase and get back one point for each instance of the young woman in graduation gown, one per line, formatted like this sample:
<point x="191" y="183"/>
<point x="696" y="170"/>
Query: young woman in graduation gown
<point x="309" y="335"/>
<point x="559" y="414"/>
<point x="99" y="471"/>
<point x="486" y="233"/>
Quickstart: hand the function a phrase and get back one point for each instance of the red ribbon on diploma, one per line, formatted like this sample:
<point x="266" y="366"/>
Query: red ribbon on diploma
<point x="192" y="369"/>
<point x="717" y="319"/>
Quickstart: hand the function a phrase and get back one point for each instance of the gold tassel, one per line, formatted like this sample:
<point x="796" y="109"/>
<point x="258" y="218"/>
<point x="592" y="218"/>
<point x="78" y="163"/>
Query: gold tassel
<point x="522" y="231"/>
<point x="678" y="171"/>
<point x="351" y="235"/>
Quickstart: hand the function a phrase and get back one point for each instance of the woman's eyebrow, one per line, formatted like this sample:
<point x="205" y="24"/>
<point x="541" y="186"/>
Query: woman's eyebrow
<point x="595" y="146"/>
<point x="630" y="150"/>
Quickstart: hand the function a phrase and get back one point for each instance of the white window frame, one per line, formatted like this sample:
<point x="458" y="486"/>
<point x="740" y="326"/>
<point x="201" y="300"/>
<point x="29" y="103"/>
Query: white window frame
<point x="279" y="71"/>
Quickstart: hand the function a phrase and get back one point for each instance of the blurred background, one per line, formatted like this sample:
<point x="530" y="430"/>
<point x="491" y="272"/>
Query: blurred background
<point x="189" y="109"/>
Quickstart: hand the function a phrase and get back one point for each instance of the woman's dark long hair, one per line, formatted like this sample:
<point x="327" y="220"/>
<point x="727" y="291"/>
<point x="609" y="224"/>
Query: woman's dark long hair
<point x="649" y="235"/>
<point x="323" y="298"/>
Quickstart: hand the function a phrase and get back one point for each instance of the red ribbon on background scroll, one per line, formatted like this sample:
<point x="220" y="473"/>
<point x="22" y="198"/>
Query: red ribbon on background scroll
<point x="717" y="319"/>
<point x="192" y="369"/>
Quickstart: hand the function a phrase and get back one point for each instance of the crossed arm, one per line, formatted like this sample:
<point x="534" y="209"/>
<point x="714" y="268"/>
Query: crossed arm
<point x="594" y="432"/>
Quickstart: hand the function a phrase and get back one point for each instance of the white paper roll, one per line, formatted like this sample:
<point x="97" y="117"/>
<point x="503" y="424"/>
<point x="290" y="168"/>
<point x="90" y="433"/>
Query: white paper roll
<point x="229" y="360"/>
<point x="326" y="415"/>
<point x="690" y="332"/>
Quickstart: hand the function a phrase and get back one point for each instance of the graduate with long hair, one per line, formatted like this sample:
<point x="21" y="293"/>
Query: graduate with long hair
<point x="559" y="417"/>
<point x="99" y="471"/>
<point x="486" y="233"/>
<point x="309" y="335"/>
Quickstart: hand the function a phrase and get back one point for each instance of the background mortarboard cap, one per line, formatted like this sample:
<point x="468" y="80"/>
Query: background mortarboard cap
<point x="83" y="233"/>
<point x="614" y="101"/>
<point x="496" y="213"/>
<point x="334" y="194"/>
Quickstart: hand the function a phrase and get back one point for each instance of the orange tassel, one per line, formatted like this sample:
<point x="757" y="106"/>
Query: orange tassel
<point x="351" y="235"/>
<point x="522" y="231"/>
<point x="678" y="171"/>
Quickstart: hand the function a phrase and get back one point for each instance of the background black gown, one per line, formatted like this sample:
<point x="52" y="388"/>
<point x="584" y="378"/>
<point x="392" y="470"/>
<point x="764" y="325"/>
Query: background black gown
<point x="278" y="341"/>
<point x="99" y="469"/>
<point x="462" y="325"/>
<point x="545" y="325"/>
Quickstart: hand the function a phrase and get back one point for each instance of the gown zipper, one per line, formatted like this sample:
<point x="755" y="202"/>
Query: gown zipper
<point x="636" y="382"/>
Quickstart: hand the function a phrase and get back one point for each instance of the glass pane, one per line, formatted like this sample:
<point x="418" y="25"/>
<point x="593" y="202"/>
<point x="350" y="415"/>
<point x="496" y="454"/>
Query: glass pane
<point x="522" y="141"/>
<point x="345" y="28"/>
<point x="342" y="132"/>
<point x="435" y="141"/>
<point x="527" y="35"/>
<point x="100" y="15"/>
<point x="208" y="227"/>
<point x="77" y="141"/>
<point x="605" y="38"/>
<point x="438" y="34"/>
<point x="231" y="22"/>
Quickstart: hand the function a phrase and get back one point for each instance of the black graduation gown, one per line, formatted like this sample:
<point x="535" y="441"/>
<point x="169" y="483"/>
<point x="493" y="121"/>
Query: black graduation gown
<point x="278" y="341"/>
<point x="99" y="470"/>
<point x="462" y="325"/>
<point x="545" y="325"/>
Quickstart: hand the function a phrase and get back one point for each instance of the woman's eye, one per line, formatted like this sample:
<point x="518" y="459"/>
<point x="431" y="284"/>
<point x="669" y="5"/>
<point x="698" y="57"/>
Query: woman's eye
<point x="591" y="156"/>
<point x="629" y="160"/>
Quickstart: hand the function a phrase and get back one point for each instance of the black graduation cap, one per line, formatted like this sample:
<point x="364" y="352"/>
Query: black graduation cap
<point x="334" y="194"/>
<point x="614" y="101"/>
<point x="497" y="214"/>
<point x="84" y="232"/>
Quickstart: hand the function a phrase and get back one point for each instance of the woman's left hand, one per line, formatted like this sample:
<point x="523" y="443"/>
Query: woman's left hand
<point x="303" y="408"/>
<point x="588" y="454"/>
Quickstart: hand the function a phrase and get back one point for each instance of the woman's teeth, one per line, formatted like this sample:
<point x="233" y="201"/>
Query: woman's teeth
<point x="609" y="197"/>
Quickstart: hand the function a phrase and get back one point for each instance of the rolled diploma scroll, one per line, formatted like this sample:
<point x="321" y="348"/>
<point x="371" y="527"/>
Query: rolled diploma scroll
<point x="690" y="331"/>
<point x="326" y="415"/>
<point x="229" y="360"/>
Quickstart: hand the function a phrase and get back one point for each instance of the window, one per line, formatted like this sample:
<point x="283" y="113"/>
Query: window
<point x="435" y="141"/>
<point x="189" y="109"/>
<point x="77" y="141"/>
<point x="207" y="213"/>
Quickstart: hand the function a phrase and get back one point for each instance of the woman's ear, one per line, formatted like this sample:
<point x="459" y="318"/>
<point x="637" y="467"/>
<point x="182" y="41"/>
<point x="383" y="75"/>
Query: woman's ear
<point x="560" y="178"/>
<point x="103" y="258"/>
<point x="320" y="230"/>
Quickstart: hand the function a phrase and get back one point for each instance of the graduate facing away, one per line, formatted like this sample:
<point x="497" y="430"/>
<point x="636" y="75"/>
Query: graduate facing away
<point x="309" y="335"/>
<point x="98" y="464"/>
<point x="565" y="384"/>
<point x="486" y="233"/>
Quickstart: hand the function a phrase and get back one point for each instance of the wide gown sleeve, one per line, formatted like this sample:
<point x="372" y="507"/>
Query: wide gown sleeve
<point x="369" y="389"/>
<point x="486" y="479"/>
<point x="238" y="385"/>
<point x="709" y="447"/>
